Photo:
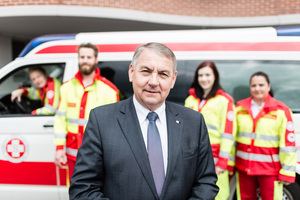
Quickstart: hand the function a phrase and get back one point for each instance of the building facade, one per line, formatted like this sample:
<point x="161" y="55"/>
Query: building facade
<point x="22" y="20"/>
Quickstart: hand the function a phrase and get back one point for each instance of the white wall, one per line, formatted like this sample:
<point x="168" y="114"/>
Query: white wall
<point x="5" y="51"/>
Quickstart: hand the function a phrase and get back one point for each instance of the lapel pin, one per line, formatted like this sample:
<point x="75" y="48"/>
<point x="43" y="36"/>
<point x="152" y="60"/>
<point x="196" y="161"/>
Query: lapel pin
<point x="177" y="122"/>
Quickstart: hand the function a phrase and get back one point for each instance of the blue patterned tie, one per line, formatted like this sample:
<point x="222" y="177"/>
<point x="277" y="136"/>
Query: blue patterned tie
<point x="155" y="154"/>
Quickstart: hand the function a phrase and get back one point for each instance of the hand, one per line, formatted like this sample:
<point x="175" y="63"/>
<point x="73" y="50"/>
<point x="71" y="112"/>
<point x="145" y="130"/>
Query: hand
<point x="16" y="94"/>
<point x="219" y="170"/>
<point x="60" y="158"/>
<point x="284" y="182"/>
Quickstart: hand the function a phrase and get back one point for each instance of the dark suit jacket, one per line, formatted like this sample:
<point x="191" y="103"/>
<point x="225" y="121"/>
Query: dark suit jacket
<point x="112" y="162"/>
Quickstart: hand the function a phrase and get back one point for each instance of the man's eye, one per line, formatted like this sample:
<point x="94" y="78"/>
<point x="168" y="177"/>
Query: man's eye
<point x="145" y="71"/>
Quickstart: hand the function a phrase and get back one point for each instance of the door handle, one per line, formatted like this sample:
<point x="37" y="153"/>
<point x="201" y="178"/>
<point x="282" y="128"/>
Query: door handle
<point x="48" y="125"/>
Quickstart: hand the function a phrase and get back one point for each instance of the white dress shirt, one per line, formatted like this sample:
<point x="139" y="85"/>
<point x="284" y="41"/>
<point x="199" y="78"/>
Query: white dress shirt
<point x="161" y="124"/>
<point x="256" y="108"/>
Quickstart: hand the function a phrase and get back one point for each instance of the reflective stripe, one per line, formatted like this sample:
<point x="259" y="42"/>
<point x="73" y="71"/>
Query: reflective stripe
<point x="216" y="160"/>
<point x="269" y="137"/>
<point x="232" y="158"/>
<point x="288" y="168"/>
<point x="72" y="152"/>
<point x="257" y="157"/>
<point x="227" y="136"/>
<point x="51" y="108"/>
<point x="224" y="154"/>
<point x="81" y="122"/>
<point x="260" y="137"/>
<point x="244" y="134"/>
<point x="60" y="113"/>
<point x="60" y="135"/>
<point x="33" y="94"/>
<point x="211" y="127"/>
<point x="288" y="149"/>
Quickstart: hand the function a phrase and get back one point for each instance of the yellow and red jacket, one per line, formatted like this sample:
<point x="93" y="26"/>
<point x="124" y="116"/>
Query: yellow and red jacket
<point x="218" y="113"/>
<point x="266" y="143"/>
<point x="76" y="102"/>
<point x="49" y="95"/>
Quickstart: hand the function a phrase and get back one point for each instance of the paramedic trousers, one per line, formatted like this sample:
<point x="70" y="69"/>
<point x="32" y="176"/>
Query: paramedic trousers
<point x="70" y="169"/>
<point x="223" y="184"/>
<point x="247" y="186"/>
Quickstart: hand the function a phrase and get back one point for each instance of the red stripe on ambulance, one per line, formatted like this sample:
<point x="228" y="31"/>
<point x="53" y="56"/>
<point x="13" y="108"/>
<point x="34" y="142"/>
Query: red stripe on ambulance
<point x="211" y="46"/>
<point x="30" y="173"/>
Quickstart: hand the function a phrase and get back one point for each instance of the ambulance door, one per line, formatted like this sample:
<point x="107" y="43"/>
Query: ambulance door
<point x="27" y="168"/>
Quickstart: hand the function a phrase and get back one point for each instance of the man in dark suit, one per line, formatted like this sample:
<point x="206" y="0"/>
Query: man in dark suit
<point x="145" y="148"/>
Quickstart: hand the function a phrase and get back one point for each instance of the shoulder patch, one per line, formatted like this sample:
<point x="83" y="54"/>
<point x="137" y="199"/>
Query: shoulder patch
<point x="291" y="137"/>
<point x="290" y="126"/>
<point x="230" y="115"/>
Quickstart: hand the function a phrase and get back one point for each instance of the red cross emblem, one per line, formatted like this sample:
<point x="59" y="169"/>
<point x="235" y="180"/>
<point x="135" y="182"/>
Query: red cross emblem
<point x="15" y="148"/>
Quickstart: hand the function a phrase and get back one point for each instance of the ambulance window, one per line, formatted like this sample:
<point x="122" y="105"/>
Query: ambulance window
<point x="117" y="73"/>
<point x="19" y="78"/>
<point x="235" y="75"/>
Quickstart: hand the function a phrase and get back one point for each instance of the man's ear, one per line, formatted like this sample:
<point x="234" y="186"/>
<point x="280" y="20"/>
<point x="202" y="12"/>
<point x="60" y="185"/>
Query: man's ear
<point x="174" y="79"/>
<point x="130" y="72"/>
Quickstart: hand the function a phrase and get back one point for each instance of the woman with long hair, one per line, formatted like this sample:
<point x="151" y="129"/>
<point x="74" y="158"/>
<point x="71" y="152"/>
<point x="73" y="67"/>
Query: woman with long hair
<point x="207" y="96"/>
<point x="266" y="152"/>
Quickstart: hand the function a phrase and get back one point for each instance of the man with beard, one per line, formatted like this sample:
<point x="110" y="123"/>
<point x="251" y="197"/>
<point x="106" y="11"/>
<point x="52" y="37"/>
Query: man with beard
<point x="78" y="96"/>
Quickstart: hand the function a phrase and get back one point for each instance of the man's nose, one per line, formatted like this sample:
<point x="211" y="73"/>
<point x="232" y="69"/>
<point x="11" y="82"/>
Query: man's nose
<point x="85" y="59"/>
<point x="153" y="79"/>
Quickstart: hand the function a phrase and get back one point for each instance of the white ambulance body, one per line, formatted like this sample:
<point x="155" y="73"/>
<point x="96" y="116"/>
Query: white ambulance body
<point x="27" y="170"/>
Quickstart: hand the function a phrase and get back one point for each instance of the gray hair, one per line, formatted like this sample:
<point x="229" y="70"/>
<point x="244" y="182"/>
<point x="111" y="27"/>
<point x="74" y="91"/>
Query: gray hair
<point x="159" y="48"/>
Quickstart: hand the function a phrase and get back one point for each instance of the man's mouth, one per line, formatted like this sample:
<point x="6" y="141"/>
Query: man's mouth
<point x="153" y="92"/>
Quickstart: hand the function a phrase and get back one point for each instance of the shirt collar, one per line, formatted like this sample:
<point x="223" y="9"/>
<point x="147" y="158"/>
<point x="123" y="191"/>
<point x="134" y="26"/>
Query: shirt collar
<point x="253" y="103"/>
<point x="142" y="112"/>
<point x="78" y="76"/>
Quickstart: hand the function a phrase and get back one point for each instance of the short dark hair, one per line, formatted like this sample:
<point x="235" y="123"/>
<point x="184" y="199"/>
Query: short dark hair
<point x="89" y="45"/>
<point x="260" y="73"/>
<point x="216" y="86"/>
<point x="37" y="68"/>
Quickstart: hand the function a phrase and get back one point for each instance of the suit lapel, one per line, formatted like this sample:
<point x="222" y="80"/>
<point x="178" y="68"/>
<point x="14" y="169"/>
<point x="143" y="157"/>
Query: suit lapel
<point x="175" y="130"/>
<point x="131" y="129"/>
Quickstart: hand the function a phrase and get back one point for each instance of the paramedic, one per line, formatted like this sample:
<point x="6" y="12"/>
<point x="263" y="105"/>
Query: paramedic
<point x="46" y="89"/>
<point x="206" y="96"/>
<point x="79" y="95"/>
<point x="266" y="153"/>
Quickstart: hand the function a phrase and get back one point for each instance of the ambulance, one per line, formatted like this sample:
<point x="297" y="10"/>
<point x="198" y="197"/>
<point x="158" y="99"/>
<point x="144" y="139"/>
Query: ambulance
<point x="27" y="169"/>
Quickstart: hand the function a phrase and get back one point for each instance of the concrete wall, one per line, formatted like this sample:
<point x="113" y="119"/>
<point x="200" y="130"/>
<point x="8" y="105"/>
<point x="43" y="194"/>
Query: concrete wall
<point x="5" y="51"/>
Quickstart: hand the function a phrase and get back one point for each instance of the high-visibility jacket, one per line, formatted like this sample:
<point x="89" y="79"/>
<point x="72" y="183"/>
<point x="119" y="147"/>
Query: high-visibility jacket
<point x="266" y="143"/>
<point x="218" y="113"/>
<point x="49" y="95"/>
<point x="76" y="102"/>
